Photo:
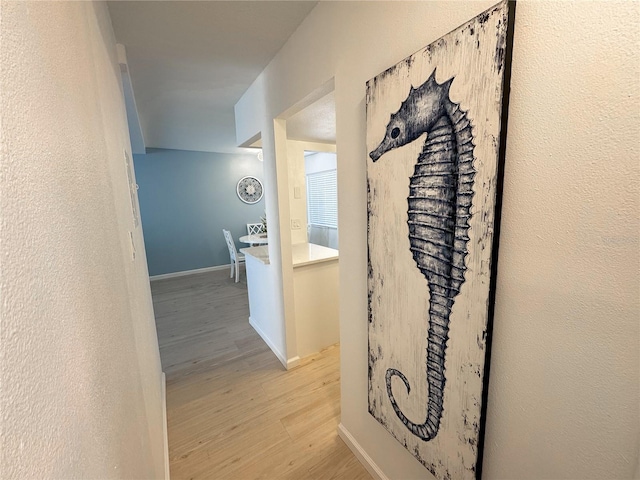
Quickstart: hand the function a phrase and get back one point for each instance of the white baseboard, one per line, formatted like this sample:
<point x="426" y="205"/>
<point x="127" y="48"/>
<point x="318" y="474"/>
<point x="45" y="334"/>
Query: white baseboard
<point x="360" y="454"/>
<point x="287" y="363"/>
<point x="184" y="273"/>
<point x="165" y="430"/>
<point x="292" y="362"/>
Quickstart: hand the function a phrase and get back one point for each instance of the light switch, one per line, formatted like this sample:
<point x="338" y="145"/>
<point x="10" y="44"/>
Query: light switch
<point x="297" y="192"/>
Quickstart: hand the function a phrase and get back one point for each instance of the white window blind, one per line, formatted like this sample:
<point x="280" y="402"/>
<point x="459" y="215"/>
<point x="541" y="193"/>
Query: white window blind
<point x="322" y="198"/>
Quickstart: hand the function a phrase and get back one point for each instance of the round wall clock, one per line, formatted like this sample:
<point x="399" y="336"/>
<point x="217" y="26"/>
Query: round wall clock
<point x="249" y="189"/>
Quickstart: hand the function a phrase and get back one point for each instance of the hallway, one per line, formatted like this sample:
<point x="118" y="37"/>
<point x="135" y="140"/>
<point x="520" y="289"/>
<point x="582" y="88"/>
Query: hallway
<point x="233" y="412"/>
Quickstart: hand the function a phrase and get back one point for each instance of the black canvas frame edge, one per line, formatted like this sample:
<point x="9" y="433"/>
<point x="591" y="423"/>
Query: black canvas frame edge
<point x="504" y="117"/>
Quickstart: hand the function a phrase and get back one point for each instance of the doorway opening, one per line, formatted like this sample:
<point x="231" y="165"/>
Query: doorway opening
<point x="311" y="277"/>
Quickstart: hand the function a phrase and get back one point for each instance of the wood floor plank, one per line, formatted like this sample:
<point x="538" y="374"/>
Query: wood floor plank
<point x="233" y="412"/>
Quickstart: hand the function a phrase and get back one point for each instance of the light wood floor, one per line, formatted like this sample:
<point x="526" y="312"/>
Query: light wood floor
<point x="233" y="411"/>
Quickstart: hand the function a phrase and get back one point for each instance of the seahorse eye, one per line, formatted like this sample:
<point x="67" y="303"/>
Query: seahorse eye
<point x="395" y="132"/>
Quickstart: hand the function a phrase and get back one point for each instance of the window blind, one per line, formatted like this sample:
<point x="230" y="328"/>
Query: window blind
<point x="322" y="198"/>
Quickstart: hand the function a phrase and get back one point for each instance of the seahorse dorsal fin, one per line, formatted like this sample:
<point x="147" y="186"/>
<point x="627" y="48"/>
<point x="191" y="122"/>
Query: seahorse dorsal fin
<point x="447" y="84"/>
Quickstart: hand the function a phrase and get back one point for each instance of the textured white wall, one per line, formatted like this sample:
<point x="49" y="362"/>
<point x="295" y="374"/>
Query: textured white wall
<point x="297" y="179"/>
<point x="564" y="390"/>
<point x="79" y="366"/>
<point x="565" y="366"/>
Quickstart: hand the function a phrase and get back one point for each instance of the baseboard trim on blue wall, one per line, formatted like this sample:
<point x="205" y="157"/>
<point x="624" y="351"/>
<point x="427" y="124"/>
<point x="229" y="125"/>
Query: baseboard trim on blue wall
<point x="371" y="466"/>
<point x="184" y="273"/>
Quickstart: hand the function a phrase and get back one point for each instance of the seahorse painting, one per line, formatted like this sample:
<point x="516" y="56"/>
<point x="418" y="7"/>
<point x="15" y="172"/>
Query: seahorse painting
<point x="440" y="194"/>
<point x="435" y="136"/>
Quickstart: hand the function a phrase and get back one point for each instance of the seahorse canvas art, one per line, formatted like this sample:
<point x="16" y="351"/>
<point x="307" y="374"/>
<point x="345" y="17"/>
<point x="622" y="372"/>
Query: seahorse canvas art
<point x="435" y="137"/>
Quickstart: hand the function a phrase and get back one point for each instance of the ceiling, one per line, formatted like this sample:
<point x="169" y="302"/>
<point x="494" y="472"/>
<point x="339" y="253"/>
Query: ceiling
<point x="190" y="62"/>
<point x="316" y="123"/>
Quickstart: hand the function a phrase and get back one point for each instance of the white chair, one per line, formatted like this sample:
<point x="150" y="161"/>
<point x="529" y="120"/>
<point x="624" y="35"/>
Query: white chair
<point x="235" y="257"/>
<point x="255" y="228"/>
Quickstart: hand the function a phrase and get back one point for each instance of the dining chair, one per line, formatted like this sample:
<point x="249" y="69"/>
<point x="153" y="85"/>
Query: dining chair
<point x="235" y="258"/>
<point x="255" y="228"/>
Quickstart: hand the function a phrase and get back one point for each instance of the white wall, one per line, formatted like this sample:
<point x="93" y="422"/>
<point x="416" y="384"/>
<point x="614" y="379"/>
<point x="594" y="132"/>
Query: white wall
<point x="564" y="389"/>
<point x="80" y="368"/>
<point x="317" y="306"/>
<point x="261" y="294"/>
<point x="297" y="184"/>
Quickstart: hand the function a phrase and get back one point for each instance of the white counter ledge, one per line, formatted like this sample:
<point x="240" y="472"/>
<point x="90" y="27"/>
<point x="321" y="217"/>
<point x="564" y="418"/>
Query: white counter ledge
<point x="259" y="253"/>
<point x="309" y="253"/>
<point x="302" y="254"/>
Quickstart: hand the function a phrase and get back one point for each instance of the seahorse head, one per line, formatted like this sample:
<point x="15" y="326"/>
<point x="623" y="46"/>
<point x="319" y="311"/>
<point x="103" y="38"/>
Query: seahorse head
<point x="417" y="114"/>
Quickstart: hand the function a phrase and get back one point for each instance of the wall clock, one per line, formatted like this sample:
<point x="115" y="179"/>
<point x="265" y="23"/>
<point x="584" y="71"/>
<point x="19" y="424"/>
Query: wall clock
<point x="249" y="189"/>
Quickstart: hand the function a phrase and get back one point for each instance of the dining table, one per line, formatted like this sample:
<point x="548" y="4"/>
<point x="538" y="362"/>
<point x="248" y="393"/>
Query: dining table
<point x="254" y="239"/>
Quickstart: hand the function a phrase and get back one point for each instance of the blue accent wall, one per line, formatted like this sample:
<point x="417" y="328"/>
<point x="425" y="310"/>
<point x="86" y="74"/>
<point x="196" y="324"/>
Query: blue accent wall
<point x="186" y="199"/>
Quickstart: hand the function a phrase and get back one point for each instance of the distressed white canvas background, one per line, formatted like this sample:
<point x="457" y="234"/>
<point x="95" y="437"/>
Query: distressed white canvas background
<point x="399" y="294"/>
